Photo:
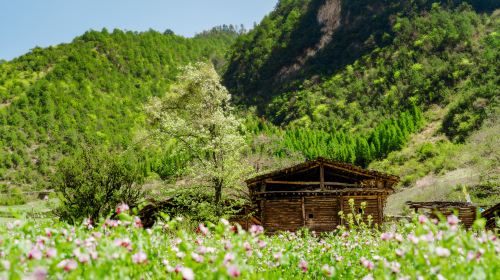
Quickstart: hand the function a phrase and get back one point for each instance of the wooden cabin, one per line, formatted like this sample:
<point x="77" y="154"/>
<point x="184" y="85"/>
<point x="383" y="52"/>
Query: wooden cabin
<point x="311" y="195"/>
<point x="492" y="215"/>
<point x="466" y="211"/>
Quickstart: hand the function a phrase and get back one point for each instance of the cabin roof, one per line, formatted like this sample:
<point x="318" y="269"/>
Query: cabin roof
<point x="491" y="211"/>
<point x="345" y="167"/>
<point x="438" y="204"/>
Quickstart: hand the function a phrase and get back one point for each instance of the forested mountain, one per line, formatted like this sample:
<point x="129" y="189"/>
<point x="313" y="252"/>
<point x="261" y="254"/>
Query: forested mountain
<point x="308" y="40"/>
<point x="91" y="90"/>
<point x="349" y="79"/>
<point x="399" y="86"/>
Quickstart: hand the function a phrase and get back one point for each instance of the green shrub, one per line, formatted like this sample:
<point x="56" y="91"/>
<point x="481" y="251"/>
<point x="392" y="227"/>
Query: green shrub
<point x="197" y="205"/>
<point x="94" y="182"/>
<point x="14" y="196"/>
<point x="426" y="151"/>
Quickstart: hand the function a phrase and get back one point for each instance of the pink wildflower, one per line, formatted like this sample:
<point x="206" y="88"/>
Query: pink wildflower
<point x="277" y="256"/>
<point x="202" y="229"/>
<point x="35" y="254"/>
<point x="87" y="223"/>
<point x="303" y="265"/>
<point x="227" y="245"/>
<point x="83" y="258"/>
<point x="68" y="264"/>
<point x="126" y="243"/>
<point x="224" y="222"/>
<point x="137" y="222"/>
<point x="40" y="241"/>
<point x="400" y="252"/>
<point x="386" y="236"/>
<point x="187" y="273"/>
<point x="202" y="250"/>
<point x="6" y="264"/>
<point x="140" y="257"/>
<point x="413" y="238"/>
<point x="368" y="277"/>
<point x="470" y="255"/>
<point x="442" y="252"/>
<point x="366" y="263"/>
<point x="395" y="267"/>
<point x="122" y="208"/>
<point x="48" y="232"/>
<point x="422" y="219"/>
<point x="262" y="243"/>
<point x="197" y="258"/>
<point x="51" y="253"/>
<point x="111" y="223"/>
<point x="178" y="268"/>
<point x="93" y="255"/>
<point x="429" y="237"/>
<point x="398" y="237"/>
<point x="452" y="220"/>
<point x="327" y="270"/>
<point x="39" y="273"/>
<point x="229" y="257"/>
<point x="247" y="246"/>
<point x="233" y="271"/>
<point x="256" y="229"/>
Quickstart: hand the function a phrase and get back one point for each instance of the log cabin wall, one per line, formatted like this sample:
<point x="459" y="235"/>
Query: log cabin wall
<point x="467" y="212"/>
<point x="282" y="214"/>
<point x="321" y="213"/>
<point x="467" y="215"/>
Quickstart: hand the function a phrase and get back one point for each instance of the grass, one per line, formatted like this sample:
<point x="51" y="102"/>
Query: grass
<point x="38" y="209"/>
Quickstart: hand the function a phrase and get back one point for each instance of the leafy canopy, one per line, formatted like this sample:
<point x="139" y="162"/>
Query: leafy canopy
<point x="197" y="113"/>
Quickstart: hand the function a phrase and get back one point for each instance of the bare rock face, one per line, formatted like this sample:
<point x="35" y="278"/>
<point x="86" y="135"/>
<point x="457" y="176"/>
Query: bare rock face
<point x="329" y="17"/>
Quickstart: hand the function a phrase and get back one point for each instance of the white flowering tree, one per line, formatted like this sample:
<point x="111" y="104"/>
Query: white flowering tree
<point x="197" y="113"/>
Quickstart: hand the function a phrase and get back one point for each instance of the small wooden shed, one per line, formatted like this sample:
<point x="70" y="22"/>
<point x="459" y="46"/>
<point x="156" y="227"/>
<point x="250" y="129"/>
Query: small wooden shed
<point x="492" y="215"/>
<point x="311" y="195"/>
<point x="466" y="211"/>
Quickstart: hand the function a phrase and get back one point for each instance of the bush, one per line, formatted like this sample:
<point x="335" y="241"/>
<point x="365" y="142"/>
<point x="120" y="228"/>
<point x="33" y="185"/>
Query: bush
<point x="196" y="205"/>
<point x="426" y="151"/>
<point x="94" y="182"/>
<point x="11" y="197"/>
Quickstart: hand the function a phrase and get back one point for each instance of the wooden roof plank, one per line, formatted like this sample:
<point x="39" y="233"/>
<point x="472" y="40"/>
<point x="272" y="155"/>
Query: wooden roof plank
<point x="331" y="163"/>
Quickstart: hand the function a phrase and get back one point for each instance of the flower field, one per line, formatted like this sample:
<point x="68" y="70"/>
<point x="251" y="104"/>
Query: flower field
<point x="123" y="249"/>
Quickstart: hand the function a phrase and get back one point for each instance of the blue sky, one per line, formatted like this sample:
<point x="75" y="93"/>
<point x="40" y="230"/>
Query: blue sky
<point x="25" y="24"/>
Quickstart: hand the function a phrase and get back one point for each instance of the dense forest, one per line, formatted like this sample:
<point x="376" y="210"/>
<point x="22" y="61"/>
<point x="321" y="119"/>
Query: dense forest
<point x="434" y="59"/>
<point x="52" y="100"/>
<point x="354" y="81"/>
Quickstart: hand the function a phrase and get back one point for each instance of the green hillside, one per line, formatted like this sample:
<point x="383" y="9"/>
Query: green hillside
<point x="349" y="99"/>
<point x="313" y="39"/>
<point x="365" y="82"/>
<point x="90" y="90"/>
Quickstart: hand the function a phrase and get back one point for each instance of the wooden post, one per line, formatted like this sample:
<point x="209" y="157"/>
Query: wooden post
<point x="303" y="212"/>
<point x="322" y="176"/>
<point x="262" y="203"/>
<point x="263" y="187"/>
<point x="341" y="203"/>
<point x="380" y="210"/>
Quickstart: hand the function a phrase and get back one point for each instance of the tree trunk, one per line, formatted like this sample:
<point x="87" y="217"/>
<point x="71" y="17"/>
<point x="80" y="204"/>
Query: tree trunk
<point x="218" y="195"/>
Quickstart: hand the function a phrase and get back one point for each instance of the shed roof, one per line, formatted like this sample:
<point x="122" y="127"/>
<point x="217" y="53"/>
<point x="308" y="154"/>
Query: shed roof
<point x="438" y="204"/>
<point x="346" y="167"/>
